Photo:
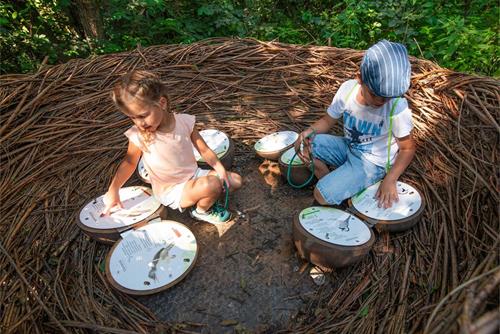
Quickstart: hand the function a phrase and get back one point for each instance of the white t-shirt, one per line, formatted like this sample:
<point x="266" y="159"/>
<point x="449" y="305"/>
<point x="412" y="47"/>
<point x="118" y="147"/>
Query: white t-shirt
<point x="367" y="127"/>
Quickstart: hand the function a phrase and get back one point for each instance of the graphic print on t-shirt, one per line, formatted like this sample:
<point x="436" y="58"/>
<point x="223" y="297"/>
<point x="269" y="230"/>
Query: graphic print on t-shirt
<point x="361" y="132"/>
<point x="366" y="127"/>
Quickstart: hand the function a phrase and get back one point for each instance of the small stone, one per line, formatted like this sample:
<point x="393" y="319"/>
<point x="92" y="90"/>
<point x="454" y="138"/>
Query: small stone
<point x="317" y="276"/>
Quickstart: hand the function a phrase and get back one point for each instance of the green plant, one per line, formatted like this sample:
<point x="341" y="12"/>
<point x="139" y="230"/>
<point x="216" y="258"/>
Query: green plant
<point x="33" y="30"/>
<point x="461" y="35"/>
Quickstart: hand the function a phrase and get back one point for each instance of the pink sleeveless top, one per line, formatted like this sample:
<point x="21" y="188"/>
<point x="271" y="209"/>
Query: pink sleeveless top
<point x="169" y="158"/>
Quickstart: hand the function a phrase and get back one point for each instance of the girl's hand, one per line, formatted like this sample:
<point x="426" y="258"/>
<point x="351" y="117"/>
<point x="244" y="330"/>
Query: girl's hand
<point x="224" y="177"/>
<point x="111" y="199"/>
<point x="387" y="193"/>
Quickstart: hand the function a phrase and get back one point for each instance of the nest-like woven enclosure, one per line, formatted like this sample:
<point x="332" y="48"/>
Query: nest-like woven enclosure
<point x="61" y="138"/>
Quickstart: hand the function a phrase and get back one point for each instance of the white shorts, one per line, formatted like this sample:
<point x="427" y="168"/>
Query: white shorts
<point x="172" y="198"/>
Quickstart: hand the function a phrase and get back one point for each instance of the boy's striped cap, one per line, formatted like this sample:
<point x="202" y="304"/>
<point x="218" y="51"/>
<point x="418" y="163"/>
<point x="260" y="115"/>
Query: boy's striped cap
<point x="385" y="69"/>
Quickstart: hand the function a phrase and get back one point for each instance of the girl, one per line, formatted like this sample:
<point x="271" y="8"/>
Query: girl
<point x="165" y="141"/>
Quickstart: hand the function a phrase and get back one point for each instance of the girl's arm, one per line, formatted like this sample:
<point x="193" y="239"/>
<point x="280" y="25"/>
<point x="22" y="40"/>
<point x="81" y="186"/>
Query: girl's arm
<point x="387" y="191"/>
<point x="209" y="155"/>
<point x="123" y="173"/>
<point x="322" y="125"/>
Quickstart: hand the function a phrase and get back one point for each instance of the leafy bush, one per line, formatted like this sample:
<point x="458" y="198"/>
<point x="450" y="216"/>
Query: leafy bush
<point x="460" y="35"/>
<point x="33" y="30"/>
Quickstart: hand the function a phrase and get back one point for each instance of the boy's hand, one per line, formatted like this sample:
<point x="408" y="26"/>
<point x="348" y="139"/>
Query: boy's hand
<point x="111" y="199"/>
<point x="304" y="142"/>
<point x="387" y="193"/>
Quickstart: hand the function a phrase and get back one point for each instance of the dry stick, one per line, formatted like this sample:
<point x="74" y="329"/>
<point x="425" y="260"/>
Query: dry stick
<point x="485" y="119"/>
<point x="10" y="236"/>
<point x="13" y="115"/>
<point x="94" y="327"/>
<point x="137" y="305"/>
<point x="111" y="73"/>
<point x="465" y="321"/>
<point x="446" y="324"/>
<point x="457" y="289"/>
<point x="486" y="113"/>
<point x="39" y="301"/>
<point x="404" y="285"/>
<point x="489" y="323"/>
<point x="453" y="253"/>
<point x="456" y="156"/>
<point x="12" y="95"/>
<point x="485" y="291"/>
<point x="445" y="259"/>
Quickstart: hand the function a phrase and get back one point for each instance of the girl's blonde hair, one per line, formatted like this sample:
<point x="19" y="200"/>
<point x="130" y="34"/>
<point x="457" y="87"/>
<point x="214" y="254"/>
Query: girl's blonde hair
<point x="142" y="86"/>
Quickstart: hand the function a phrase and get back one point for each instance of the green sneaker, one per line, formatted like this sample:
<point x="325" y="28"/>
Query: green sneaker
<point x="216" y="215"/>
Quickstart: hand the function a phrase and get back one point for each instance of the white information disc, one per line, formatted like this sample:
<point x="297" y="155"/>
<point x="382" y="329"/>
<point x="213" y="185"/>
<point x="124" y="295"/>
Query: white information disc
<point x="334" y="226"/>
<point x="153" y="256"/>
<point x="408" y="204"/>
<point x="288" y="155"/>
<point x="143" y="171"/>
<point x="276" y="141"/>
<point x="217" y="140"/>
<point x="138" y="204"/>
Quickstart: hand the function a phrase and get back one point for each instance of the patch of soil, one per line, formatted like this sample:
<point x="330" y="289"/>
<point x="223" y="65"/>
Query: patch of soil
<point x="247" y="275"/>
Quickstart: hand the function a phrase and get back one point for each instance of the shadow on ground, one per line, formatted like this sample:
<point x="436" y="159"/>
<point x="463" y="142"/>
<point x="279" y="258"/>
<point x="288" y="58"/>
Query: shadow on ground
<point x="247" y="275"/>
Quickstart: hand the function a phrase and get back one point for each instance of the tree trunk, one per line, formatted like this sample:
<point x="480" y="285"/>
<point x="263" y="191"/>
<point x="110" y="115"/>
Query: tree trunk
<point x="88" y="16"/>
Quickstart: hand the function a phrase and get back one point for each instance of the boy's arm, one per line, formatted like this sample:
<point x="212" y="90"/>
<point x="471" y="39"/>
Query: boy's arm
<point x="123" y="173"/>
<point x="209" y="156"/>
<point x="322" y="125"/>
<point x="387" y="191"/>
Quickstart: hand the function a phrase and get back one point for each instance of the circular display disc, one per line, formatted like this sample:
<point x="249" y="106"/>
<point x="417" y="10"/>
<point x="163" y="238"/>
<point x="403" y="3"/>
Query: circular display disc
<point x="152" y="258"/>
<point x="217" y="140"/>
<point x="334" y="226"/>
<point x="408" y="205"/>
<point x="276" y="141"/>
<point x="288" y="155"/>
<point x="138" y="204"/>
<point x="143" y="173"/>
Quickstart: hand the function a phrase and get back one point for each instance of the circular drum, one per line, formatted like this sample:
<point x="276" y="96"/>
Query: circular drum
<point x="222" y="146"/>
<point x="151" y="258"/>
<point x="299" y="173"/>
<point x="401" y="216"/>
<point x="142" y="172"/>
<point x="331" y="237"/>
<point x="139" y="207"/>
<point x="272" y="146"/>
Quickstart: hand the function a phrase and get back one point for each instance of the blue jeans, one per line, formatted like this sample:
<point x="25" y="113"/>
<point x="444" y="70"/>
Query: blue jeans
<point x="353" y="173"/>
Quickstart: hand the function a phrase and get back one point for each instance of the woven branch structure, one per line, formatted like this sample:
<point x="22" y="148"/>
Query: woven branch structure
<point x="61" y="140"/>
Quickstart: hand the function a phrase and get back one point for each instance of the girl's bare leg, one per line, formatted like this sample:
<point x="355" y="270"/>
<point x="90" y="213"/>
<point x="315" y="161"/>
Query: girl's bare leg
<point x="202" y="191"/>
<point x="235" y="180"/>
<point x="205" y="190"/>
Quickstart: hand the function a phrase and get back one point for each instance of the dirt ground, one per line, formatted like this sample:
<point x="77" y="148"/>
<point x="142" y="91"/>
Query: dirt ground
<point x="247" y="276"/>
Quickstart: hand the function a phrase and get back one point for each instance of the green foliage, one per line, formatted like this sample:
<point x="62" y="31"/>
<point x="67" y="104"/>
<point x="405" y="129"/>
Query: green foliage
<point x="449" y="32"/>
<point x="460" y="35"/>
<point x="33" y="30"/>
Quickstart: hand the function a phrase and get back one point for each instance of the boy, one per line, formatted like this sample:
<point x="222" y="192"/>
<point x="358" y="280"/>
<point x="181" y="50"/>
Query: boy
<point x="377" y="142"/>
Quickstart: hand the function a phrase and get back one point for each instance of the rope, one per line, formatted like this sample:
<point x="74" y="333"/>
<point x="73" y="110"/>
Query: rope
<point x="311" y="166"/>
<point x="388" y="163"/>
<point x="226" y="190"/>
<point x="218" y="207"/>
